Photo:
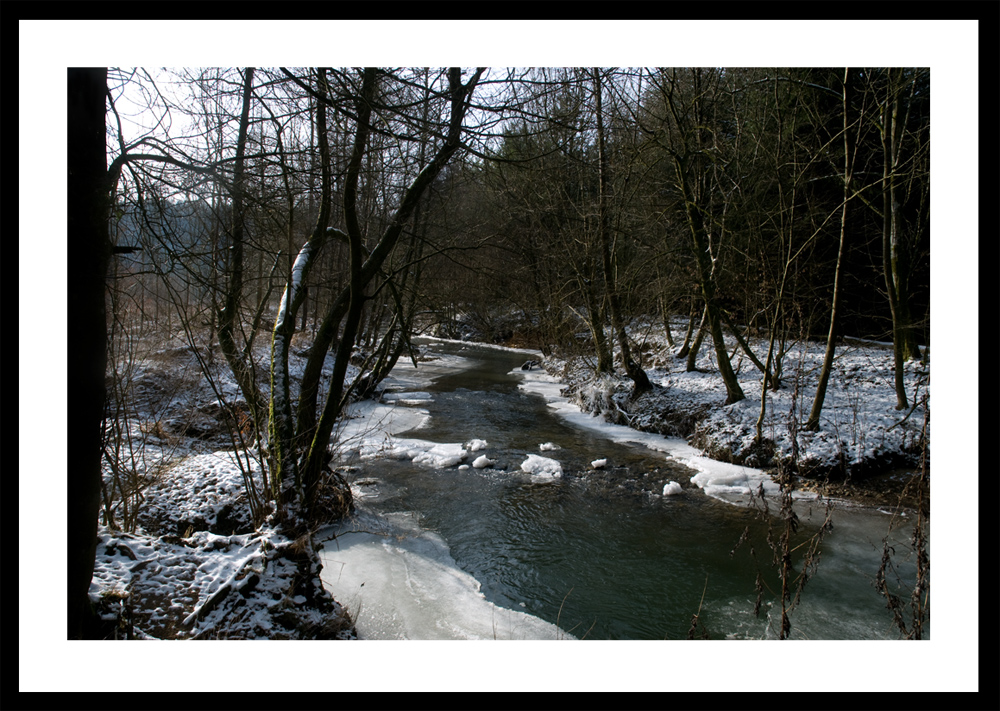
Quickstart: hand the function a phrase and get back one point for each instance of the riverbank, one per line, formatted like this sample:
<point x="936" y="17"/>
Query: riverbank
<point x="864" y="451"/>
<point x="180" y="556"/>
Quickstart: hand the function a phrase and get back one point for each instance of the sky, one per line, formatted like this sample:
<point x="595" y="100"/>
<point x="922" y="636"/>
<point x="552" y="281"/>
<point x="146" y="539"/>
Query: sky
<point x="950" y="48"/>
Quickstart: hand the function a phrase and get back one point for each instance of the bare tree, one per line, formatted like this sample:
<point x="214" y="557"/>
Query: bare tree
<point x="903" y="170"/>
<point x="299" y="453"/>
<point x="639" y="378"/>
<point x="848" y="157"/>
<point x="228" y="317"/>
<point x="680" y="123"/>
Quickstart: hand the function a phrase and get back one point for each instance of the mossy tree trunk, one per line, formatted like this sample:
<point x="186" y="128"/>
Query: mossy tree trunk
<point x="300" y="447"/>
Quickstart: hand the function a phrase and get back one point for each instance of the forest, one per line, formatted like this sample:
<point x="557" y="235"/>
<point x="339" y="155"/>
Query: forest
<point x="261" y="215"/>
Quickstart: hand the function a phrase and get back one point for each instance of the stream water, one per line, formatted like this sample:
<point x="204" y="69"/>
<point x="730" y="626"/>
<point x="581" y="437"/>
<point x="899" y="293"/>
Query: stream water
<point x="442" y="551"/>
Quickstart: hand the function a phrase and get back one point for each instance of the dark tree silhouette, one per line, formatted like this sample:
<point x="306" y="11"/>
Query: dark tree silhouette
<point x="89" y="252"/>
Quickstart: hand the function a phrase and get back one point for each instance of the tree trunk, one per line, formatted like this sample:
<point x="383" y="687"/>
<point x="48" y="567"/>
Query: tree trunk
<point x="746" y="348"/>
<point x="595" y="322"/>
<point x="640" y="381"/>
<point x="686" y="345"/>
<point x="88" y="193"/>
<point x="665" y="315"/>
<point x="285" y="443"/>
<point x="699" y="336"/>
<point x="230" y="316"/>
<point x="894" y="275"/>
<point x="699" y="245"/>
<point x="824" y="376"/>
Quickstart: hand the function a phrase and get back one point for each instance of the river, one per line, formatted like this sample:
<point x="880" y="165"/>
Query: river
<point x="441" y="549"/>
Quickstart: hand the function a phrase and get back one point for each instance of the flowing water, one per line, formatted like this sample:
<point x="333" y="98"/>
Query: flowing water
<point x="601" y="554"/>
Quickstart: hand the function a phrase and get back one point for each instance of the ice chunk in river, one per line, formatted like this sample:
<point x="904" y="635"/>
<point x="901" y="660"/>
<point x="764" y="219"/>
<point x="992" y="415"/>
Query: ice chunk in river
<point x="541" y="466"/>
<point x="482" y="462"/>
<point x="430" y="454"/>
<point x="672" y="488"/>
<point x="599" y="463"/>
<point x="441" y="456"/>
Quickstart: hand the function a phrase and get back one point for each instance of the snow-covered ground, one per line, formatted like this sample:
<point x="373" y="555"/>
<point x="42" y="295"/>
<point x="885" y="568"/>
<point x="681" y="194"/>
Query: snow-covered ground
<point x="194" y="566"/>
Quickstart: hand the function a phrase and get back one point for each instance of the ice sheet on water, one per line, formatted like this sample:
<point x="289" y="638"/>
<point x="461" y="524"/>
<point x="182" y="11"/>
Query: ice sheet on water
<point x="408" y="586"/>
<point x="441" y="455"/>
<point x="406" y="398"/>
<point x="429" y="454"/>
<point x="368" y="423"/>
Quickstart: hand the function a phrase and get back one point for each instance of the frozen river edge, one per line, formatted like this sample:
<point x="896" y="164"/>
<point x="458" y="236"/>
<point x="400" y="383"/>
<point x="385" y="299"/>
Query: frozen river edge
<point x="400" y="582"/>
<point x="396" y="580"/>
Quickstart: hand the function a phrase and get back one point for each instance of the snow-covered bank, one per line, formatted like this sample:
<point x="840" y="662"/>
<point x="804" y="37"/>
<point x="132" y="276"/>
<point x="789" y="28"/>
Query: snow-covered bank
<point x="719" y="479"/>
<point x="190" y="562"/>
<point x="197" y="570"/>
<point x="860" y="434"/>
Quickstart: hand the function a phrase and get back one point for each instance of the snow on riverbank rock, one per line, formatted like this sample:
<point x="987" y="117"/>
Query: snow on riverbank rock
<point x="548" y="447"/>
<point x="541" y="466"/>
<point x="599" y="463"/>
